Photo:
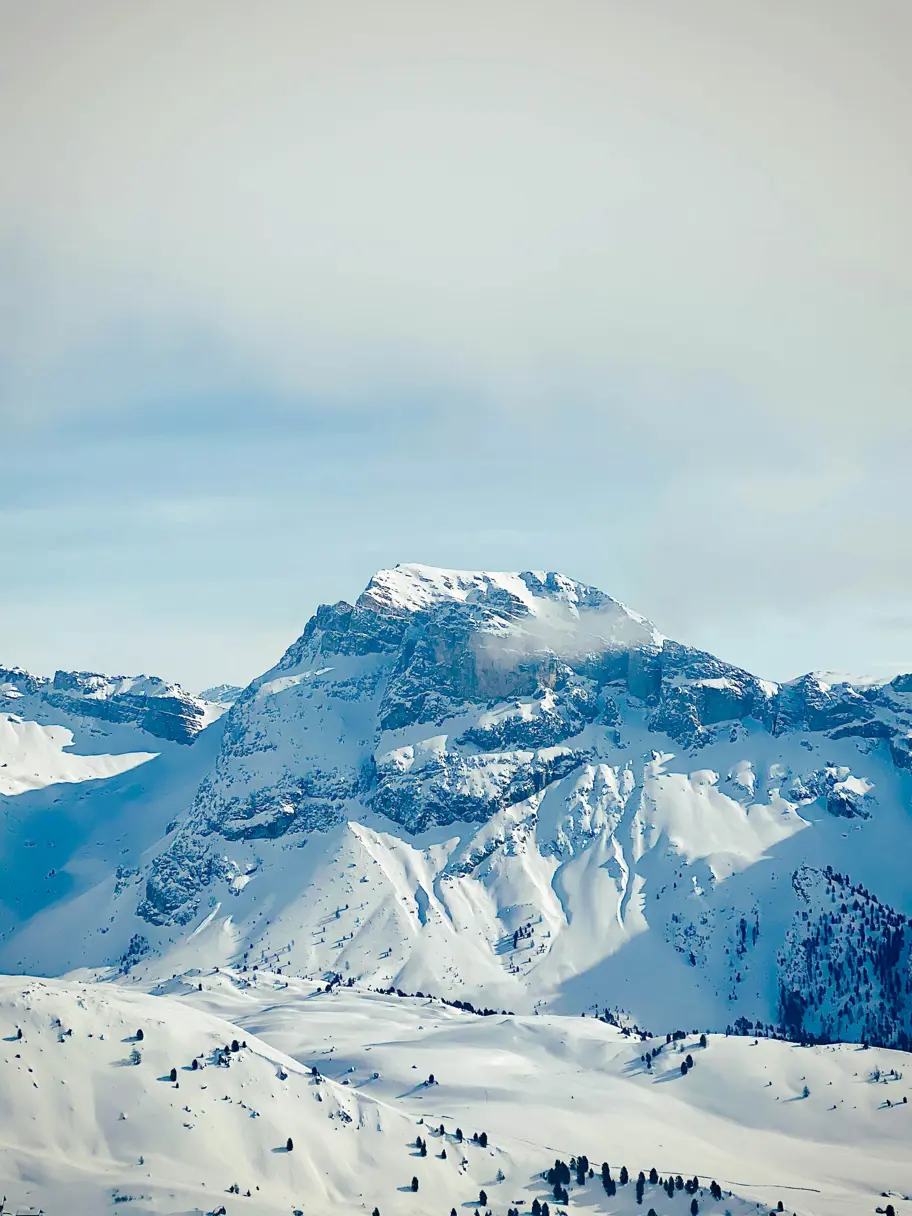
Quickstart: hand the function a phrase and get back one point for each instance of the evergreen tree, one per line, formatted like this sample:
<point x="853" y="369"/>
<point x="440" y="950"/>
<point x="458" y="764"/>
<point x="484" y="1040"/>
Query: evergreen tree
<point x="173" y="1074"/>
<point x="536" y="1207"/>
<point x="694" y="1207"/>
<point x="414" y="1184"/>
<point x="459" y="1135"/>
<point x="483" y="1139"/>
<point x="624" y="1177"/>
<point x="653" y="1176"/>
<point x="482" y="1198"/>
<point x="289" y="1145"/>
<point x="138" y="1036"/>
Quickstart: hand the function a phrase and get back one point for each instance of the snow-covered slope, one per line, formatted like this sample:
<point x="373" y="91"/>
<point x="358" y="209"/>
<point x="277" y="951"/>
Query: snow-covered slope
<point x="92" y="769"/>
<point x="90" y="1118"/>
<point x="34" y="756"/>
<point x="509" y="788"/>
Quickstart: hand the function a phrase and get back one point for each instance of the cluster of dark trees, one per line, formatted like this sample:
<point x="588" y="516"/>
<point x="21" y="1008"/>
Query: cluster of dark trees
<point x="612" y="1018"/>
<point x="223" y="1054"/>
<point x="521" y="934"/>
<point x="847" y="976"/>
<point x="686" y="1065"/>
<point x="466" y="1006"/>
<point x="580" y="1170"/>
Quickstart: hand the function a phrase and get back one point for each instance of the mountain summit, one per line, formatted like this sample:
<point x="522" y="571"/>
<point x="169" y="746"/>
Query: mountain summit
<point x="510" y="788"/>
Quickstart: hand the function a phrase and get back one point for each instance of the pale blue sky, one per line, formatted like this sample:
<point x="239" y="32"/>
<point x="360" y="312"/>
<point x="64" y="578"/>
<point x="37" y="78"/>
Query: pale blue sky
<point x="290" y="294"/>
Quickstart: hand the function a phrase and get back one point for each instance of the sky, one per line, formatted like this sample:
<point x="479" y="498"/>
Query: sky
<point x="296" y="291"/>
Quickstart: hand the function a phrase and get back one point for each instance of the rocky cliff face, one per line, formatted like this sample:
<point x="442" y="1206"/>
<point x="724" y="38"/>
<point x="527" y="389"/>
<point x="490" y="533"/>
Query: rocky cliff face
<point x="163" y="710"/>
<point x="442" y="697"/>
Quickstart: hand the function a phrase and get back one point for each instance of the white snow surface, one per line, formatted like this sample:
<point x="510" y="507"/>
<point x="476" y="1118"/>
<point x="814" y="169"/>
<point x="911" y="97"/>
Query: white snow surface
<point x="33" y="756"/>
<point x="82" y="1128"/>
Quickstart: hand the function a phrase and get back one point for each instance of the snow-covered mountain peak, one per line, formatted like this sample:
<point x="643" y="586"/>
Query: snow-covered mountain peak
<point x="547" y="595"/>
<point x="502" y="781"/>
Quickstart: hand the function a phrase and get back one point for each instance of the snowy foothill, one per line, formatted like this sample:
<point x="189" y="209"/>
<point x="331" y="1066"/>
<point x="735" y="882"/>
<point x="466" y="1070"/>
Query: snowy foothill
<point x="225" y="1072"/>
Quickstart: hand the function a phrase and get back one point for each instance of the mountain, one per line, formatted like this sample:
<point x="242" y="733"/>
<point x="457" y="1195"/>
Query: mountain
<point x="162" y="710"/>
<point x="92" y="769"/>
<point x="510" y="789"/>
<point x="221" y="694"/>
